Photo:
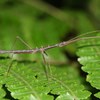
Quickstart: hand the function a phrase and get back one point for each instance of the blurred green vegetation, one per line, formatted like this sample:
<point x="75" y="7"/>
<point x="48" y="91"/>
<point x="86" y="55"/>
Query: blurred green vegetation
<point x="40" y="24"/>
<point x="47" y="22"/>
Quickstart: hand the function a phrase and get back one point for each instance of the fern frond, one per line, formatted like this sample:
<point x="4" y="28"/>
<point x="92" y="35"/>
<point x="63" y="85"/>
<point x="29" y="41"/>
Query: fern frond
<point x="97" y="95"/>
<point x="29" y="82"/>
<point x="2" y="93"/>
<point x="89" y="57"/>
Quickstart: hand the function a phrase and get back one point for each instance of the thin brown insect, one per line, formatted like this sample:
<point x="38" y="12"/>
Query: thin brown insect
<point x="43" y="49"/>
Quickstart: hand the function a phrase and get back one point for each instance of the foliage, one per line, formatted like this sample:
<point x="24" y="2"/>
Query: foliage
<point x="40" y="24"/>
<point x="89" y="58"/>
<point x="27" y="81"/>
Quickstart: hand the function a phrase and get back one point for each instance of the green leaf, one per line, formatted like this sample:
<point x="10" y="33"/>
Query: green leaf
<point x="2" y="93"/>
<point x="97" y="95"/>
<point x="29" y="82"/>
<point x="89" y="57"/>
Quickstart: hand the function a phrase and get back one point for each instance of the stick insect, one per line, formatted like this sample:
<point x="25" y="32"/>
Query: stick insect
<point x="43" y="50"/>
